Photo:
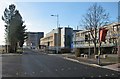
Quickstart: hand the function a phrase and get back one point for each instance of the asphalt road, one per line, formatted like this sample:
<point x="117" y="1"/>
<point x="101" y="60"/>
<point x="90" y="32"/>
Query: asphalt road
<point x="33" y="64"/>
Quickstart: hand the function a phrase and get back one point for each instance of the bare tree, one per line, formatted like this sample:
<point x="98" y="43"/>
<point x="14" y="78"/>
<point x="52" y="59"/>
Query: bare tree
<point x="93" y="19"/>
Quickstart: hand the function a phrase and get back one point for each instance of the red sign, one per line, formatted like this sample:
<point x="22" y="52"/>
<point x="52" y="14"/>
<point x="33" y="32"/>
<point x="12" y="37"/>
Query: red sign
<point x="102" y="34"/>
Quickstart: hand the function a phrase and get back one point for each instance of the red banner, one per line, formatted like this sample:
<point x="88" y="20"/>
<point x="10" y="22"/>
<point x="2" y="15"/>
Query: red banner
<point x="102" y="34"/>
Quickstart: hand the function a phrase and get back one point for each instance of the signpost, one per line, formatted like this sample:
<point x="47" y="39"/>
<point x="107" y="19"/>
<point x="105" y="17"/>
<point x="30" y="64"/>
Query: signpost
<point x="102" y="35"/>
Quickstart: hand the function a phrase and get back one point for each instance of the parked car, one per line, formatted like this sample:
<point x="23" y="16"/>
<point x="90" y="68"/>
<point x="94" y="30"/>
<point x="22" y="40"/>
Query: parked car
<point x="20" y="50"/>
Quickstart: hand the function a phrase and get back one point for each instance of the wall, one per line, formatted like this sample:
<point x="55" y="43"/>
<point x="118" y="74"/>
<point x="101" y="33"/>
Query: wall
<point x="33" y="39"/>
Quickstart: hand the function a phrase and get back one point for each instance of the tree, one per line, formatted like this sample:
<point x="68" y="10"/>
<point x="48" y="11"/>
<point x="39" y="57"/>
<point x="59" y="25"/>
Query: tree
<point x="14" y="28"/>
<point x="22" y="34"/>
<point x="95" y="17"/>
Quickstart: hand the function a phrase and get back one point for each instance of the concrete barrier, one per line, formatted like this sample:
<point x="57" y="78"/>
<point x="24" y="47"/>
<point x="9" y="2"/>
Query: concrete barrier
<point x="82" y="55"/>
<point x="85" y="56"/>
<point x="96" y="56"/>
<point x="104" y="56"/>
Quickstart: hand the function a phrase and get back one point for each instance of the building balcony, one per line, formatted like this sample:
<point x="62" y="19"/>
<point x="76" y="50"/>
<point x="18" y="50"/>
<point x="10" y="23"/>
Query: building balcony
<point x="86" y="45"/>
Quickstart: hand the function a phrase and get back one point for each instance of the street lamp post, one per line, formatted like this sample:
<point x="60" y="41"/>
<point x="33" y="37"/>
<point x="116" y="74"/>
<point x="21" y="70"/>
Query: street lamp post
<point x="57" y="32"/>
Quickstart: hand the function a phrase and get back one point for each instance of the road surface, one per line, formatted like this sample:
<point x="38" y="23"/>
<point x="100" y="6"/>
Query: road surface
<point x="33" y="64"/>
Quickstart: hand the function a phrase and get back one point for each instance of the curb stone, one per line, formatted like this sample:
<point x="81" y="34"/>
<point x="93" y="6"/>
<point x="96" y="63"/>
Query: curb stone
<point x="93" y="65"/>
<point x="11" y="54"/>
<point x="111" y="68"/>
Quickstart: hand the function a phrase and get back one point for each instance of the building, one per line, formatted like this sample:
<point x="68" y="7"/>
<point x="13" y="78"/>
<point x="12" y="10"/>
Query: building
<point x="61" y="38"/>
<point x="66" y="37"/>
<point x="112" y="37"/>
<point x="83" y="40"/>
<point x="33" y="39"/>
<point x="50" y="38"/>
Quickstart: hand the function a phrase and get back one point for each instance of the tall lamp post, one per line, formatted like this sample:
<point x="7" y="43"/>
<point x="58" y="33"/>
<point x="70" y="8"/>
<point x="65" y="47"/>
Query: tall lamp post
<point x="57" y="16"/>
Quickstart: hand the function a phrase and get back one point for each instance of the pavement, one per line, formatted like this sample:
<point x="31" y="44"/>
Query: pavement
<point x="92" y="62"/>
<point x="82" y="60"/>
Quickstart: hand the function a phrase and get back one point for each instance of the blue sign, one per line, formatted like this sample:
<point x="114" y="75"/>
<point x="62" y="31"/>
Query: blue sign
<point x="71" y="45"/>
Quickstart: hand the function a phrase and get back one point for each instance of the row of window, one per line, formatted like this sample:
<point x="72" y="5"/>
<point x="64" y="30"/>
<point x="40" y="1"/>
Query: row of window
<point x="91" y="42"/>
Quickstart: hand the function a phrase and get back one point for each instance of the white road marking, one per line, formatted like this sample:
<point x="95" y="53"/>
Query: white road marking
<point x="91" y="76"/>
<point x="41" y="71"/>
<point x="86" y="67"/>
<point x="33" y="72"/>
<point x="62" y="69"/>
<point x="83" y="78"/>
<point x="112" y="74"/>
<point x="106" y="75"/>
<point x="25" y="73"/>
<point x="99" y="75"/>
<point x="69" y="68"/>
<point x="56" y="70"/>
<point x="17" y="73"/>
<point x="75" y="68"/>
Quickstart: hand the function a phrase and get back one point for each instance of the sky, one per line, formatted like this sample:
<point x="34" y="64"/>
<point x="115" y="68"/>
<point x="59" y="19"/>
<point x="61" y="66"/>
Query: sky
<point x="37" y="14"/>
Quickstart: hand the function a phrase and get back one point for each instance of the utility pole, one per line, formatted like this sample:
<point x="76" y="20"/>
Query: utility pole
<point x="89" y="45"/>
<point x="102" y="35"/>
<point x="99" y="52"/>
